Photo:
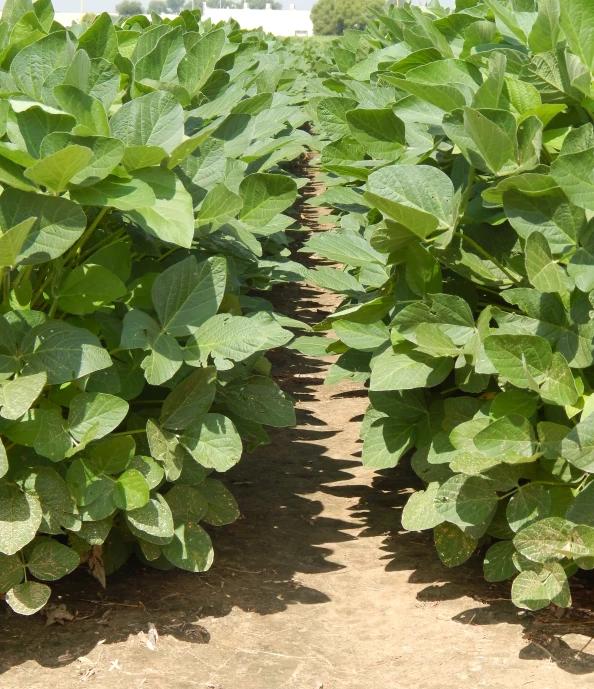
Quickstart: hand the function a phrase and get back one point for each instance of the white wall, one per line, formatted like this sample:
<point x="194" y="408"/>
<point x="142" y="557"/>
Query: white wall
<point x="277" y="22"/>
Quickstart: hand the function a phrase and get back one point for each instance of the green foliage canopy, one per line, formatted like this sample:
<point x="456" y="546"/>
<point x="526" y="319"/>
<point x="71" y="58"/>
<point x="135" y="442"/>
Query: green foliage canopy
<point x="458" y="150"/>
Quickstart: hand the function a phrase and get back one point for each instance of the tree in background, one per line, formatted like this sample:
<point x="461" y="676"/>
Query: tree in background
<point x="261" y="4"/>
<point x="157" y="6"/>
<point x="332" y="17"/>
<point x="223" y="4"/>
<point x="89" y="17"/>
<point x="128" y="8"/>
<point x="175" y="6"/>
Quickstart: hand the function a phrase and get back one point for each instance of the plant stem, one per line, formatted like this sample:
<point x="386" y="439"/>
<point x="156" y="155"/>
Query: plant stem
<point x="488" y="256"/>
<point x="87" y="234"/>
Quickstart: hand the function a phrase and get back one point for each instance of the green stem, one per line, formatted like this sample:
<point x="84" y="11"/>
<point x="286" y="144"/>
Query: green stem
<point x="139" y="430"/>
<point x="112" y="239"/>
<point x="488" y="256"/>
<point x="87" y="234"/>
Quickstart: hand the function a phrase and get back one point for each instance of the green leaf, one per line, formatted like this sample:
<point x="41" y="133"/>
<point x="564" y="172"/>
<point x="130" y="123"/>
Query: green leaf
<point x="97" y="413"/>
<point x="171" y="218"/>
<point x="87" y="288"/>
<point x="423" y="274"/>
<point x="218" y="203"/>
<point x="186" y="504"/>
<point x="153" y="522"/>
<point x="519" y="358"/>
<point x="513" y="402"/>
<point x="213" y="442"/>
<point x="511" y="438"/>
<point x="419" y="512"/>
<point x="453" y="545"/>
<point x="123" y="194"/>
<point x="190" y="400"/>
<point x="199" y="62"/>
<point x="577" y="22"/>
<point x="155" y="119"/>
<point x="28" y="598"/>
<point x="365" y="337"/>
<point x="264" y="196"/>
<point x="12" y="241"/>
<point x="401" y="367"/>
<point x="51" y="560"/>
<point x="386" y="441"/>
<point x="546" y="540"/>
<point x="187" y="294"/>
<point x="88" y="111"/>
<point x="529" y="504"/>
<point x="578" y="446"/>
<point x="419" y="197"/>
<point x="20" y="517"/>
<point x="11" y="572"/>
<point x="379" y="131"/>
<point x="59" y="223"/>
<point x="350" y="248"/>
<point x="131" y="491"/>
<point x="260" y="399"/>
<point x="499" y="564"/>
<point x="222" y="508"/>
<point x="535" y="589"/>
<point x="543" y="272"/>
<point x="114" y="454"/>
<point x="20" y="393"/>
<point x="191" y="548"/>
<point x="466" y="500"/>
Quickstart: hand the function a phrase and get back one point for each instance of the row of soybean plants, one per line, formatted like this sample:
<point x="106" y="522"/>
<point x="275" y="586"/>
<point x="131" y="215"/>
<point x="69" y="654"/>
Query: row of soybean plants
<point x="457" y="152"/>
<point x="143" y="195"/>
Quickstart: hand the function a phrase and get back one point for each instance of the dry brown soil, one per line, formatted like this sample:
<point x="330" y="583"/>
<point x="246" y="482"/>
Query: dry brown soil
<point x="315" y="587"/>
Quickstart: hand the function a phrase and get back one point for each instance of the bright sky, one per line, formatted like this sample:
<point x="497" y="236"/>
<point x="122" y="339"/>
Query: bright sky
<point x="109" y="6"/>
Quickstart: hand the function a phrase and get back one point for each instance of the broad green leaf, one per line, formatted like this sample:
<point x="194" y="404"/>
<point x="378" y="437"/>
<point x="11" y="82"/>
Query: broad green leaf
<point x="63" y="351"/>
<point x="199" y="62"/>
<point x="559" y="386"/>
<point x="114" y="454"/>
<point x="513" y="402"/>
<point x="186" y="504"/>
<point x="419" y="197"/>
<point x="12" y="241"/>
<point x="51" y="560"/>
<point x="401" y="367"/>
<point x="153" y="522"/>
<point x="577" y="22"/>
<point x="131" y="491"/>
<point x="380" y="132"/>
<point x="11" y="572"/>
<point x="264" y="196"/>
<point x="190" y="549"/>
<point x="28" y="598"/>
<point x="190" y="400"/>
<point x="155" y="119"/>
<point x="535" y="589"/>
<point x="519" y="358"/>
<point x="543" y="272"/>
<point x="187" y="294"/>
<point x="419" y="513"/>
<point x="59" y="223"/>
<point x="453" y="545"/>
<point x="260" y="399"/>
<point x="89" y="112"/>
<point x="498" y="564"/>
<point x="100" y="39"/>
<point x="350" y="248"/>
<point x="123" y="194"/>
<point x="578" y="446"/>
<point x="466" y="500"/>
<point x="365" y="337"/>
<point x="213" y="442"/>
<point x="222" y="508"/>
<point x="510" y="438"/>
<point x="95" y="412"/>
<point x="546" y="540"/>
<point x="20" y="393"/>
<point x="87" y="288"/>
<point x="171" y="217"/>
<point x="529" y="504"/>
<point x="20" y="517"/>
<point x="386" y="441"/>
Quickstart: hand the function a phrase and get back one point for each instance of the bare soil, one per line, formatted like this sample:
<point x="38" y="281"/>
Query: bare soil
<point x="315" y="587"/>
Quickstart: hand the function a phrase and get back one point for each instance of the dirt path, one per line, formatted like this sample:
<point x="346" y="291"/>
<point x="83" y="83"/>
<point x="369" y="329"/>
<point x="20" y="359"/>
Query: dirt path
<point x="314" y="588"/>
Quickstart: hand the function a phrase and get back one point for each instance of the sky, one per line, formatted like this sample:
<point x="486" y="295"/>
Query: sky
<point x="109" y="5"/>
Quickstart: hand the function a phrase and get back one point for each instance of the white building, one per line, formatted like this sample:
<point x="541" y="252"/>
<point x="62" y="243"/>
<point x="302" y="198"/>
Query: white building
<point x="278" y="22"/>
